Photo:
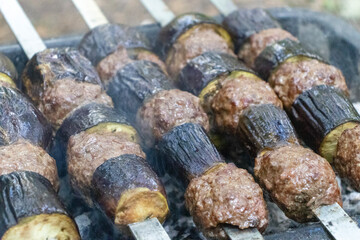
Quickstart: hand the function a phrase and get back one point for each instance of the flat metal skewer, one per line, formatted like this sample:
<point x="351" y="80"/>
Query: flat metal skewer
<point x="162" y="14"/>
<point x="31" y="43"/>
<point x="337" y="222"/>
<point x="90" y="12"/>
<point x="159" y="11"/>
<point x="224" y="6"/>
<point x="22" y="28"/>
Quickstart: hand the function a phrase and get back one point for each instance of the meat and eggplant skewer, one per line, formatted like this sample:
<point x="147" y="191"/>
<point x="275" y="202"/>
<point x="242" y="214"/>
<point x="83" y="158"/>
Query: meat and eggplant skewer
<point x="301" y="83"/>
<point x="29" y="204"/>
<point x="84" y="68"/>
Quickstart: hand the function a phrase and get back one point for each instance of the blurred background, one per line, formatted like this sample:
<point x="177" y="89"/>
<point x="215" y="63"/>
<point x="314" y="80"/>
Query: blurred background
<point x="54" y="18"/>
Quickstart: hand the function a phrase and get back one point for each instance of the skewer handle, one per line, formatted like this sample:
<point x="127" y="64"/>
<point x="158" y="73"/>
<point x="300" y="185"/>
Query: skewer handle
<point x="90" y="12"/>
<point x="22" y="28"/>
<point x="337" y="222"/>
<point x="159" y="11"/>
<point x="235" y="233"/>
<point x="224" y="6"/>
<point x="150" y="229"/>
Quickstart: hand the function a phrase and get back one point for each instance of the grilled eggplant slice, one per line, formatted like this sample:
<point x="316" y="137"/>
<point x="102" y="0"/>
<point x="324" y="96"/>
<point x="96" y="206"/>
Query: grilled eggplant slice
<point x="129" y="191"/>
<point x="19" y="118"/>
<point x="30" y="209"/>
<point x="105" y="39"/>
<point x="134" y="83"/>
<point x="180" y="25"/>
<point x="202" y="70"/>
<point x="8" y="72"/>
<point x="187" y="151"/>
<point x="323" y="113"/>
<point x="91" y="117"/>
<point x="265" y="127"/>
<point x="279" y="52"/>
<point x="252" y="21"/>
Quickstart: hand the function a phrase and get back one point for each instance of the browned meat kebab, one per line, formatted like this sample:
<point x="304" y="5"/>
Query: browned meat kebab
<point x="322" y="115"/>
<point x="29" y="205"/>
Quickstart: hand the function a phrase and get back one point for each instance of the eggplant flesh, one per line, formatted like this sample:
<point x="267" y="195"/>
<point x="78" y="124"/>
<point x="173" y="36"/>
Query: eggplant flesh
<point x="178" y="26"/>
<point x="201" y="70"/>
<point x="187" y="152"/>
<point x="243" y="23"/>
<point x="106" y="39"/>
<point x="8" y="68"/>
<point x="322" y="114"/>
<point x="129" y="182"/>
<point x="135" y="83"/>
<point x="27" y="199"/>
<point x="19" y="118"/>
<point x="272" y="56"/>
<point x="265" y="127"/>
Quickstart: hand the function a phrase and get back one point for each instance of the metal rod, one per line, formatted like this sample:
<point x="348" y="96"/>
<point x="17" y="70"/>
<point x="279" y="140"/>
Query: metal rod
<point x="159" y="11"/>
<point x="235" y="233"/>
<point x="337" y="222"/>
<point x="90" y="12"/>
<point x="150" y="229"/>
<point x="224" y="6"/>
<point x="21" y="26"/>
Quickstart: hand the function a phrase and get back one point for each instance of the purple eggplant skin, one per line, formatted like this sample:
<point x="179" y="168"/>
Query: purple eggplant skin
<point x="186" y="152"/>
<point x="19" y="118"/>
<point x="135" y="83"/>
<point x="201" y="70"/>
<point x="172" y="31"/>
<point x="80" y="120"/>
<point x="265" y="126"/>
<point x="243" y="23"/>
<point x="319" y="110"/>
<point x="7" y="67"/>
<point x="48" y="66"/>
<point x="25" y="194"/>
<point x="105" y="39"/>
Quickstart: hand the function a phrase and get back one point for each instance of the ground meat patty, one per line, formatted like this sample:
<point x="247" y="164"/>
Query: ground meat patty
<point x="87" y="151"/>
<point x="202" y="38"/>
<point x="347" y="160"/>
<point x="235" y="95"/>
<point x="298" y="180"/>
<point x="259" y="41"/>
<point x="111" y="64"/>
<point x="168" y="109"/>
<point x="66" y="95"/>
<point x="108" y="66"/>
<point x="227" y="195"/>
<point x="292" y="78"/>
<point x="23" y="156"/>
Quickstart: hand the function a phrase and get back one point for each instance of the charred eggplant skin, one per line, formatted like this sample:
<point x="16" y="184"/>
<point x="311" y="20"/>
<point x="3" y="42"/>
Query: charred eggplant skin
<point x="320" y="110"/>
<point x="19" y="118"/>
<point x="252" y="21"/>
<point x="105" y="39"/>
<point x="80" y="120"/>
<point x="272" y="56"/>
<point x="265" y="127"/>
<point x="134" y="83"/>
<point x="7" y="67"/>
<point x="201" y="70"/>
<point x="119" y="174"/>
<point x="171" y="32"/>
<point x="25" y="194"/>
<point x="187" y="152"/>
<point x="55" y="64"/>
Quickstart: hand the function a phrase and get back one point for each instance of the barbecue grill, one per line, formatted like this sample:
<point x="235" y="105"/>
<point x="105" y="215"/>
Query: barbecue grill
<point x="337" y="42"/>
